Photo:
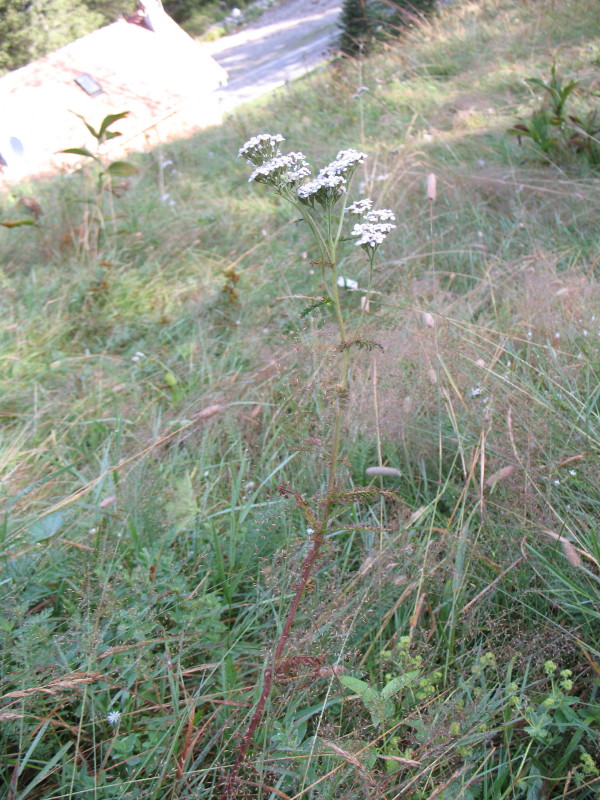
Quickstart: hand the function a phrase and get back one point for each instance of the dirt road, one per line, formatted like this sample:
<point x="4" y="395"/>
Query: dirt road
<point x="285" y="43"/>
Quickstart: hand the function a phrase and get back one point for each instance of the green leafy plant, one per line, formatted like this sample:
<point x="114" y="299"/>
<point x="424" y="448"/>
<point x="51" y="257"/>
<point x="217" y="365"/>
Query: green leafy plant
<point x="556" y="133"/>
<point x="111" y="176"/>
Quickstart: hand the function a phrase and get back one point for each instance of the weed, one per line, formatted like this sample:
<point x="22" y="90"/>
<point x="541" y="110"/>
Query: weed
<point x="557" y="133"/>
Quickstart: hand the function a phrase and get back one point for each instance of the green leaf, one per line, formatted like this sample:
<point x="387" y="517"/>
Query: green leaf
<point x="17" y="223"/>
<point x="121" y="169"/>
<point x="79" y="151"/>
<point x="94" y="133"/>
<point x="392" y="688"/>
<point x="170" y="379"/>
<point x="324" y="301"/>
<point x="46" y="527"/>
<point x="48" y="767"/>
<point x="109" y="120"/>
<point x="366" y="693"/>
<point x="378" y="708"/>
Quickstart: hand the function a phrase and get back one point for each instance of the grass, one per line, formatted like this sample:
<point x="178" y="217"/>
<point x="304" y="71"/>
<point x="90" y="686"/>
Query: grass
<point x="155" y="394"/>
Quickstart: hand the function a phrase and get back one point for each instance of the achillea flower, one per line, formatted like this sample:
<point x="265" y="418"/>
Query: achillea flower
<point x="345" y="162"/>
<point x="371" y="234"/>
<point x="282" y="170"/>
<point x="331" y="182"/>
<point x="360" y="207"/>
<point x="261" y="148"/>
<point x="324" y="189"/>
<point x="380" y="215"/>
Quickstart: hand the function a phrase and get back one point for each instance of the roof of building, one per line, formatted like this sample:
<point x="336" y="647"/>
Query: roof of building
<point x="147" y="66"/>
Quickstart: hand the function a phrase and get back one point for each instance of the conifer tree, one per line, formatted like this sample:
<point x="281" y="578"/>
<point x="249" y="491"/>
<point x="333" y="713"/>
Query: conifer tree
<point x="356" y="28"/>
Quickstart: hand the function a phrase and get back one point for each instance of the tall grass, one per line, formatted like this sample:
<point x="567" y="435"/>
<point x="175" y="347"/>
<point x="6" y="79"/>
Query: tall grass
<point x="156" y="393"/>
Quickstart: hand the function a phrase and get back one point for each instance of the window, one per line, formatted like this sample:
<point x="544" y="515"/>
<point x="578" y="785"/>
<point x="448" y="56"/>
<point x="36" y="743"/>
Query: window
<point x="88" y="84"/>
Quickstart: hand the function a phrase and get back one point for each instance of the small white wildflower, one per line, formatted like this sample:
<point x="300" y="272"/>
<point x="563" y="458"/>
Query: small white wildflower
<point x="113" y="717"/>
<point x="310" y="531"/>
<point x="556" y="482"/>
<point x="557" y="335"/>
<point x="359" y="91"/>
<point x="585" y="333"/>
<point x="476" y="391"/>
<point x="572" y="472"/>
<point x="360" y="207"/>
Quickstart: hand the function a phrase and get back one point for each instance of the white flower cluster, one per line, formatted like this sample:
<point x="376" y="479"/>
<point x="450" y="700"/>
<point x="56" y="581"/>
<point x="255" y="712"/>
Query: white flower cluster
<point x="376" y="226"/>
<point x="324" y="189"/>
<point x="289" y="168"/>
<point x="345" y="161"/>
<point x="261" y="148"/>
<point x="380" y="215"/>
<point x="332" y="180"/>
<point x="360" y="207"/>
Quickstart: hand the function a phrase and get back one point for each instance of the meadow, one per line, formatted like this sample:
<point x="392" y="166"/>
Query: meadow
<point x="166" y="399"/>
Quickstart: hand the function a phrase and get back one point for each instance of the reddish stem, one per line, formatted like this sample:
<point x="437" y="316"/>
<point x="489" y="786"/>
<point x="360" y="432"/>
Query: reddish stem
<point x="309" y="561"/>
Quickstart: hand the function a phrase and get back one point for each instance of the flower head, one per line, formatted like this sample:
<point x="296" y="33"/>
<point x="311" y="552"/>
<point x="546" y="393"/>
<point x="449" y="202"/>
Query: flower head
<point x="344" y="163"/>
<point x="371" y="234"/>
<point x="360" y="207"/>
<point x="380" y="215"/>
<point x="113" y="717"/>
<point x="261" y="148"/>
<point x="282" y="170"/>
<point x="331" y="182"/>
<point x="324" y="189"/>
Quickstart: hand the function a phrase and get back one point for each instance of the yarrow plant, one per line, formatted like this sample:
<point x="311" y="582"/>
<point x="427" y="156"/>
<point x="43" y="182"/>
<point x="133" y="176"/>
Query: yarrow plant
<point x="321" y="202"/>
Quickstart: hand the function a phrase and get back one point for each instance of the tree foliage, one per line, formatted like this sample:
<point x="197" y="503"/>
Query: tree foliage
<point x="31" y="28"/>
<point x="364" y="21"/>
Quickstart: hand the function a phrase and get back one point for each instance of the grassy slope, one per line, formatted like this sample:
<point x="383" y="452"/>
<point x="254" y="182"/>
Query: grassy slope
<point x="146" y="556"/>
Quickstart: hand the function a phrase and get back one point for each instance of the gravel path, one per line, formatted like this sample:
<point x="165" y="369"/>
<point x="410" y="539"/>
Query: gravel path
<point x="287" y="41"/>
